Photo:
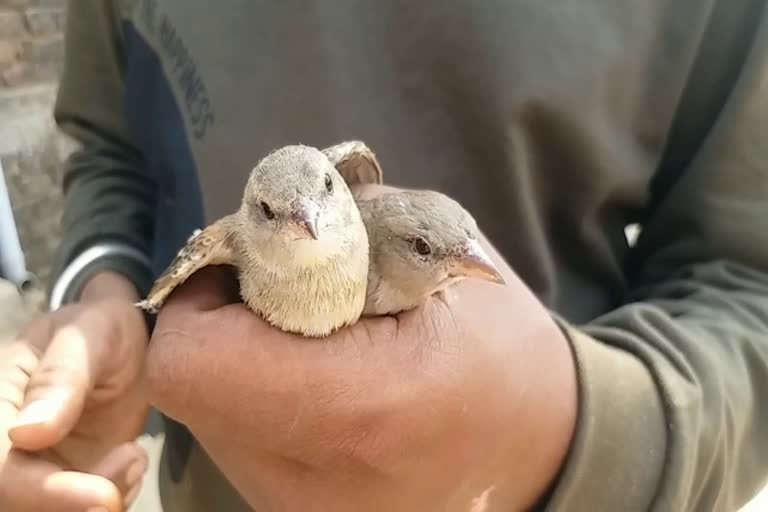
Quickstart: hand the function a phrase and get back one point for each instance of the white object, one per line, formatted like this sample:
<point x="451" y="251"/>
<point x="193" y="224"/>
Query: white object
<point x="84" y="260"/>
<point x="12" y="263"/>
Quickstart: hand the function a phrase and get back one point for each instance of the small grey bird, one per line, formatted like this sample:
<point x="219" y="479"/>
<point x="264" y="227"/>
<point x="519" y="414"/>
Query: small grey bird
<point x="298" y="240"/>
<point x="421" y="242"/>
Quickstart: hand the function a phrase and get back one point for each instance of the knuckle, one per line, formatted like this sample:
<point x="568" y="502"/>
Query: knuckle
<point x="99" y="319"/>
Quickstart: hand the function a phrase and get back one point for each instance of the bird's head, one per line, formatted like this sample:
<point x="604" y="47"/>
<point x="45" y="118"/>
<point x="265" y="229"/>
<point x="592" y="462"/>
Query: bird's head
<point x="429" y="241"/>
<point x="296" y="206"/>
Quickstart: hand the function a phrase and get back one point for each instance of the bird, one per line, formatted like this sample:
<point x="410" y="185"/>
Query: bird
<point x="421" y="243"/>
<point x="297" y="240"/>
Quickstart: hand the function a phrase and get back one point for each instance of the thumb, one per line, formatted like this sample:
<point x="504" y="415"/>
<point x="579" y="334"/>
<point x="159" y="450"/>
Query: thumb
<point x="209" y="288"/>
<point x="125" y="466"/>
<point x="57" y="389"/>
<point x="70" y="490"/>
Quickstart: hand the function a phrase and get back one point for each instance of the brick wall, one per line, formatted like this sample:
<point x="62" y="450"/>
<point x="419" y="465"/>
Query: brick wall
<point x="31" y="150"/>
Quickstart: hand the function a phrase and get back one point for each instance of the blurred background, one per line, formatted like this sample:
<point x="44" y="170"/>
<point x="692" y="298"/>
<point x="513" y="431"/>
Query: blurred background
<point x="31" y="150"/>
<point x="31" y="153"/>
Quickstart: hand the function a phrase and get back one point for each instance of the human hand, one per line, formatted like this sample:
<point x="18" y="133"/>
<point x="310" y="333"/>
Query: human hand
<point x="465" y="404"/>
<point x="72" y="402"/>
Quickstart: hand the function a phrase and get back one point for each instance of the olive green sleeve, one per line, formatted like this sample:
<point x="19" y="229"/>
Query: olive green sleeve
<point x="109" y="195"/>
<point x="674" y="383"/>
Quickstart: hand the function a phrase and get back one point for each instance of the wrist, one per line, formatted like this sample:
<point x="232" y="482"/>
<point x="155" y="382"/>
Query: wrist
<point x="106" y="256"/>
<point x="563" y="416"/>
<point x="555" y="413"/>
<point x="108" y="285"/>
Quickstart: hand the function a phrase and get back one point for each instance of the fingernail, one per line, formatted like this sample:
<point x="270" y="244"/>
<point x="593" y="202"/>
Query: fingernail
<point x="37" y="412"/>
<point x="43" y="409"/>
<point x="135" y="472"/>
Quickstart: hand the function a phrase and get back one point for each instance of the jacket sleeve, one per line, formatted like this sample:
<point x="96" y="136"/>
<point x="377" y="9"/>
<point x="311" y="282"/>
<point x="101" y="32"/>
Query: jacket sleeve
<point x="109" y="195"/>
<point x="674" y="383"/>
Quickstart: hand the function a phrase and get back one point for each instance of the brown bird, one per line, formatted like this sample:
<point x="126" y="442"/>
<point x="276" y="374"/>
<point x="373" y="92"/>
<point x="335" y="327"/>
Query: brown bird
<point x="298" y="240"/>
<point x="421" y="242"/>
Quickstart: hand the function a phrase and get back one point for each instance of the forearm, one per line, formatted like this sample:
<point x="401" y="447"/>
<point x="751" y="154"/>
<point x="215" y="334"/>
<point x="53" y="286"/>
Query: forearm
<point x="674" y="381"/>
<point x="109" y="194"/>
<point x="670" y="386"/>
<point x="107" y="226"/>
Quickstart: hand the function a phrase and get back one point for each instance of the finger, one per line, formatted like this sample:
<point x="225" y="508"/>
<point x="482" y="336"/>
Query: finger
<point x="230" y="368"/>
<point x="125" y="466"/>
<point x="56" y="392"/>
<point x="190" y="351"/>
<point x="29" y="483"/>
<point x="207" y="289"/>
<point x="71" y="490"/>
<point x="17" y="362"/>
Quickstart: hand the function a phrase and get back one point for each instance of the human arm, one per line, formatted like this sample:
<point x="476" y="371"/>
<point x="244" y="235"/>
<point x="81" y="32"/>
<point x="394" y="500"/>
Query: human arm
<point x="107" y="221"/>
<point x="405" y="413"/>
<point x="674" y="382"/>
<point x="72" y="395"/>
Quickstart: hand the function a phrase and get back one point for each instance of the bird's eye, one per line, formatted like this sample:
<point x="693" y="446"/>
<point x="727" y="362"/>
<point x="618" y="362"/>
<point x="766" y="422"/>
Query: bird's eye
<point x="267" y="211"/>
<point x="328" y="183"/>
<point x="421" y="246"/>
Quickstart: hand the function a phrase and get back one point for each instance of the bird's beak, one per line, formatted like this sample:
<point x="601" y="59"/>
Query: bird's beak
<point x="305" y="221"/>
<point x="475" y="262"/>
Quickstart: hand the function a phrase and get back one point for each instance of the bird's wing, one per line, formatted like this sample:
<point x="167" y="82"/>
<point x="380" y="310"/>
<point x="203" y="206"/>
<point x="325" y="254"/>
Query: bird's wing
<point x="356" y="162"/>
<point x="210" y="246"/>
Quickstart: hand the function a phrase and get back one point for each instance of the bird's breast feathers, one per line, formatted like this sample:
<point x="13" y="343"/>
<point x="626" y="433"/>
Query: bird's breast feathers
<point x="312" y="299"/>
<point x="314" y="253"/>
